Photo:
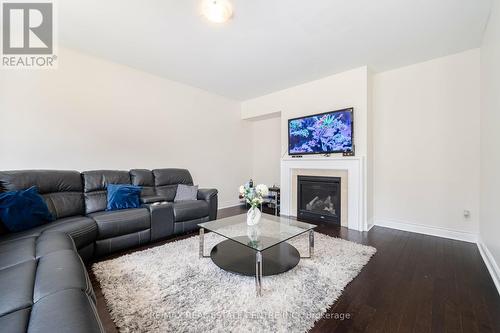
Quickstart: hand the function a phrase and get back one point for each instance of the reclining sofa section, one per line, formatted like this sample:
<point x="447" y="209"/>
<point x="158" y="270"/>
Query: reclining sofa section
<point x="43" y="281"/>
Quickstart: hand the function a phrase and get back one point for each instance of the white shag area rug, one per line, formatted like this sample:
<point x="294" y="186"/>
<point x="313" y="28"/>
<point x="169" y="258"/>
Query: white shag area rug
<point x="169" y="289"/>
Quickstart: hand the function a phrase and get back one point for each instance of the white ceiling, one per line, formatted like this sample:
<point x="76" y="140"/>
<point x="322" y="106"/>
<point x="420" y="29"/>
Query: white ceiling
<point x="269" y="44"/>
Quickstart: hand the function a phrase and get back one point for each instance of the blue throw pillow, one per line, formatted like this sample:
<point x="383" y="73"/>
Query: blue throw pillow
<point x="123" y="196"/>
<point x="23" y="210"/>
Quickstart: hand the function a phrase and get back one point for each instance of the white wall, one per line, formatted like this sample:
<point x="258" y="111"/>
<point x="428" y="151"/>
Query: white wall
<point x="490" y="141"/>
<point x="426" y="145"/>
<point x="422" y="139"/>
<point x="347" y="89"/>
<point x="266" y="149"/>
<point x="94" y="114"/>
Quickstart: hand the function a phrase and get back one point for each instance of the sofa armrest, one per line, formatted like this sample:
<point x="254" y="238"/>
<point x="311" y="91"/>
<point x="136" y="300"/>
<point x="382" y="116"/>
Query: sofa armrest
<point x="210" y="196"/>
<point x="206" y="193"/>
<point x="162" y="220"/>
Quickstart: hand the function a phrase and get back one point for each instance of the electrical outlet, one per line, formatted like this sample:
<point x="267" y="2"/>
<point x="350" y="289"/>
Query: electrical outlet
<point x="466" y="213"/>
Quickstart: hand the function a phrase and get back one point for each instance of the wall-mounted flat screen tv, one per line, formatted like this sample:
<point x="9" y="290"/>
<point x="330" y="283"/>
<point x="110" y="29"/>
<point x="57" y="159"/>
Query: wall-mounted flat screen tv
<point x="324" y="133"/>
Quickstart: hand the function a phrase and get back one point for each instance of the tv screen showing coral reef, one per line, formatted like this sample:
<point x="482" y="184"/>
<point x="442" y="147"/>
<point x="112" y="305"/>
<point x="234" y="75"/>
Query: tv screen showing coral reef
<point x="324" y="133"/>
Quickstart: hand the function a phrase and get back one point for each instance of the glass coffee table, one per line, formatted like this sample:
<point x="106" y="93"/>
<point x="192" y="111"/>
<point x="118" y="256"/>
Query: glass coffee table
<point x="259" y="250"/>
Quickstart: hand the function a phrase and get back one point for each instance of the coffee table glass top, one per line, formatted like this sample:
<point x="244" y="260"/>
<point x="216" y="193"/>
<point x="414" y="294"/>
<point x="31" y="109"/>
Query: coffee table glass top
<point x="270" y="231"/>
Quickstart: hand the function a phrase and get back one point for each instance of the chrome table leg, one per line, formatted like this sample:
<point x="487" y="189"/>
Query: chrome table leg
<point x="202" y="234"/>
<point x="311" y="245"/>
<point x="258" y="273"/>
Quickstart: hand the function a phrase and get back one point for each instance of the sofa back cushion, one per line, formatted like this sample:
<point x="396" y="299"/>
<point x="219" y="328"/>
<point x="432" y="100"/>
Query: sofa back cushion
<point x="166" y="181"/>
<point x="24" y="209"/>
<point x="94" y="187"/>
<point x="145" y="179"/>
<point x="61" y="190"/>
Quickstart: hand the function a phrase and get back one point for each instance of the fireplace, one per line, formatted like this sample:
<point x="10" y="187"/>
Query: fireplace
<point x="318" y="199"/>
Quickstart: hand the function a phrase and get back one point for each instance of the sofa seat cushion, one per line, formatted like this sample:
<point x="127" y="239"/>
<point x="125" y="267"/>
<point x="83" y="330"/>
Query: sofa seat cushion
<point x="13" y="236"/>
<point x="107" y="246"/>
<point x="121" y="222"/>
<point x="82" y="229"/>
<point x="187" y="226"/>
<point x="190" y="210"/>
<point x="17" y="251"/>
<point x="67" y="311"/>
<point x="58" y="271"/>
<point x="50" y="242"/>
<point x="15" y="321"/>
<point x="16" y="286"/>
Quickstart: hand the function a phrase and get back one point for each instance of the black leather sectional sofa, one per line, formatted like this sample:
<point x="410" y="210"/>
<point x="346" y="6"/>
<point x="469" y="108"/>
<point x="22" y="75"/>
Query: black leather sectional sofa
<point x="44" y="286"/>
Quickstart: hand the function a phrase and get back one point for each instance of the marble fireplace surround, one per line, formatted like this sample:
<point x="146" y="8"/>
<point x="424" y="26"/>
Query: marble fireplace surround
<point x="350" y="169"/>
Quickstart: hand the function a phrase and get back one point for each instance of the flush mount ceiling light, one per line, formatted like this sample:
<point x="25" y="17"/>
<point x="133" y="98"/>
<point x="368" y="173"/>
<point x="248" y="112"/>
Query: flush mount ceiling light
<point x="217" y="11"/>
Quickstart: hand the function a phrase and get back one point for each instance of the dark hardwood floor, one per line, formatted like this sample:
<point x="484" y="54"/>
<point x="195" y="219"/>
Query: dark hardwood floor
<point x="414" y="283"/>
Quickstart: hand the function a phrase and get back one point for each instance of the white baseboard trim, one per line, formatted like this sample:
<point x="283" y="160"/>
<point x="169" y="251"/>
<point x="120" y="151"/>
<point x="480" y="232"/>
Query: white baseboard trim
<point x="490" y="263"/>
<point x="230" y="203"/>
<point x="427" y="230"/>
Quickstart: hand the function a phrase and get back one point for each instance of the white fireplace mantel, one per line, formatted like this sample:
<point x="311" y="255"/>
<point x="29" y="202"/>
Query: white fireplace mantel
<point x="356" y="197"/>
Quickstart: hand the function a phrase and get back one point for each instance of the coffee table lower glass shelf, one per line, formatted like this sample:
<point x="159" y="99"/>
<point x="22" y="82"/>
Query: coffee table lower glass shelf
<point x="259" y="250"/>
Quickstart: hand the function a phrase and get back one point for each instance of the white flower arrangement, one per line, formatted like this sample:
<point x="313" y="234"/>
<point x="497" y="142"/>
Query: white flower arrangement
<point x="254" y="196"/>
